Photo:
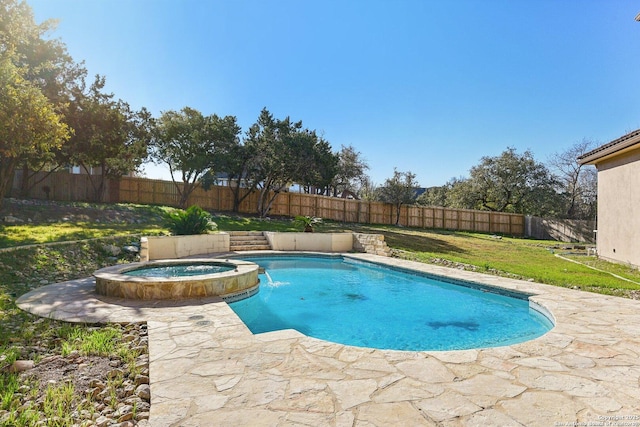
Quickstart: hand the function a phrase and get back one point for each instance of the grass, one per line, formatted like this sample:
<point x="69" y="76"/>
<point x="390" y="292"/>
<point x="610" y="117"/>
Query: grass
<point x="514" y="257"/>
<point x="248" y="223"/>
<point x="68" y="222"/>
<point x="101" y="342"/>
<point x="626" y="271"/>
<point x="19" y="235"/>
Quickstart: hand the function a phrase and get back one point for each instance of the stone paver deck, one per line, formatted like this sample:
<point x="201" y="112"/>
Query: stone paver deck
<point x="208" y="369"/>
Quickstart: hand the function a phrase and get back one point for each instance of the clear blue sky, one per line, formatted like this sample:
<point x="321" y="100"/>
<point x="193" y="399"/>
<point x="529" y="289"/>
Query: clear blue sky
<point x="425" y="86"/>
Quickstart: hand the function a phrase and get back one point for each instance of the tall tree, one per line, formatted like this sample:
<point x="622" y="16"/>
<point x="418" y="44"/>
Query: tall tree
<point x="109" y="140"/>
<point x="512" y="183"/>
<point x="316" y="163"/>
<point x="283" y="153"/>
<point x="351" y="171"/>
<point x="399" y="190"/>
<point x="270" y="141"/>
<point x="367" y="189"/>
<point x="434" y="196"/>
<point x="578" y="182"/>
<point x="235" y="160"/>
<point x="188" y="142"/>
<point x="44" y="63"/>
<point x="28" y="122"/>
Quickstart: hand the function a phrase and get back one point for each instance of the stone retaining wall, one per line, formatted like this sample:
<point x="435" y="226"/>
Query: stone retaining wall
<point x="371" y="244"/>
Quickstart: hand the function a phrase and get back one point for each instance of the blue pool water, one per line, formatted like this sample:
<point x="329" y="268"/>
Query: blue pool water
<point x="363" y="304"/>
<point x="182" y="270"/>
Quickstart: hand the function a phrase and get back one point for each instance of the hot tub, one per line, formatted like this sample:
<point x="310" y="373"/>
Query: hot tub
<point x="231" y="280"/>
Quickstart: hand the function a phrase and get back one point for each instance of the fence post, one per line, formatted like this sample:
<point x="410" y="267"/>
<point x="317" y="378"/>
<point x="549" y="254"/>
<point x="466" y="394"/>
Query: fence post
<point x="344" y="210"/>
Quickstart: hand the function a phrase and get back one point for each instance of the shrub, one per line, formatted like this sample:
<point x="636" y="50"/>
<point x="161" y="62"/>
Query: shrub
<point x="308" y="222"/>
<point x="194" y="220"/>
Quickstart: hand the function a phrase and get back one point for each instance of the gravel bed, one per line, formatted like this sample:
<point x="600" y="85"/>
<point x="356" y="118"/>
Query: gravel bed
<point x="107" y="392"/>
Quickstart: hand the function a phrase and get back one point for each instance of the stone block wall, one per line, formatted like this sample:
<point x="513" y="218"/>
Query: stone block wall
<point x="371" y="244"/>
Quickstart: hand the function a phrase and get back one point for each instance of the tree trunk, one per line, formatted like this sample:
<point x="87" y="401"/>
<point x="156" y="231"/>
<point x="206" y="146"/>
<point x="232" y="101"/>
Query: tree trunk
<point x="235" y="189"/>
<point x="7" y="170"/>
<point x="25" y="189"/>
<point x="26" y="186"/>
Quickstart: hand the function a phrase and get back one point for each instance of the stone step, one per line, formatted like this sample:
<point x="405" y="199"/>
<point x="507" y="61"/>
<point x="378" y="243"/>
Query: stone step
<point x="253" y="242"/>
<point x="249" y="248"/>
<point x="247" y="238"/>
<point x="248" y="241"/>
<point x="245" y="233"/>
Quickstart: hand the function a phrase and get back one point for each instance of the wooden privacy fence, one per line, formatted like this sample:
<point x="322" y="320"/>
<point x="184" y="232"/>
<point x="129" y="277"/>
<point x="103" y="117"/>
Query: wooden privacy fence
<point x="72" y="187"/>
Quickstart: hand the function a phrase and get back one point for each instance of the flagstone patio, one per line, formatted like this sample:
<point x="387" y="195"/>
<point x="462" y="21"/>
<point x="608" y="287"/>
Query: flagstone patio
<point x="208" y="369"/>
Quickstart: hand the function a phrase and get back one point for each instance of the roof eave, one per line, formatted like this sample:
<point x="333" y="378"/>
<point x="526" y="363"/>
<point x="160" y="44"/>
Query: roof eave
<point x="614" y="148"/>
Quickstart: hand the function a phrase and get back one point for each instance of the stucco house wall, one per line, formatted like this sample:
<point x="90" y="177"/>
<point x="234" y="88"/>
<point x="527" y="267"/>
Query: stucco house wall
<point x="618" y="165"/>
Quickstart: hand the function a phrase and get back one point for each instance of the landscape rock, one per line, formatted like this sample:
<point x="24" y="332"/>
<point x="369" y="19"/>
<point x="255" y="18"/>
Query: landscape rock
<point x="21" y="365"/>
<point x="141" y="379"/>
<point x="131" y="249"/>
<point x="102" y="421"/>
<point x="112" y="250"/>
<point x="10" y="219"/>
<point x="144" y="392"/>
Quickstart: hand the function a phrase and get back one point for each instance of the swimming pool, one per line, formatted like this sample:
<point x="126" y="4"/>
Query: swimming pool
<point x="369" y="305"/>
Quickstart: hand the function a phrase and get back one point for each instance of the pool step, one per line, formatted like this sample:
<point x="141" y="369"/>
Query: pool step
<point x="248" y="241"/>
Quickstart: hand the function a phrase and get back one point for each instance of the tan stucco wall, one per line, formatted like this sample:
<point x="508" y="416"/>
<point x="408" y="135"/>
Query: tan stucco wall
<point x="320" y="242"/>
<point x="618" y="237"/>
<point x="171" y="247"/>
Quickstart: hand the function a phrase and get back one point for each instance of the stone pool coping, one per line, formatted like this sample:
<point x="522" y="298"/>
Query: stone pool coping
<point x="207" y="367"/>
<point x="234" y="284"/>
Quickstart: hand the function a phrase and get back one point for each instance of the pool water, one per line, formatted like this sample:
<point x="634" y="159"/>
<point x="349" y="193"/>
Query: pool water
<point x="367" y="305"/>
<point x="179" y="270"/>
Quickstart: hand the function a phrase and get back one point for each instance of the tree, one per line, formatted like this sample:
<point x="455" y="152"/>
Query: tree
<point x="399" y="190"/>
<point x="109" y="140"/>
<point x="367" y="189"/>
<point x="316" y="164"/>
<point x="44" y="63"/>
<point x="578" y="182"/>
<point x="28" y="122"/>
<point x="511" y="183"/>
<point x="282" y="153"/>
<point x="434" y="196"/>
<point x="350" y="173"/>
<point x="234" y="159"/>
<point x="189" y="142"/>
<point x="272" y="165"/>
